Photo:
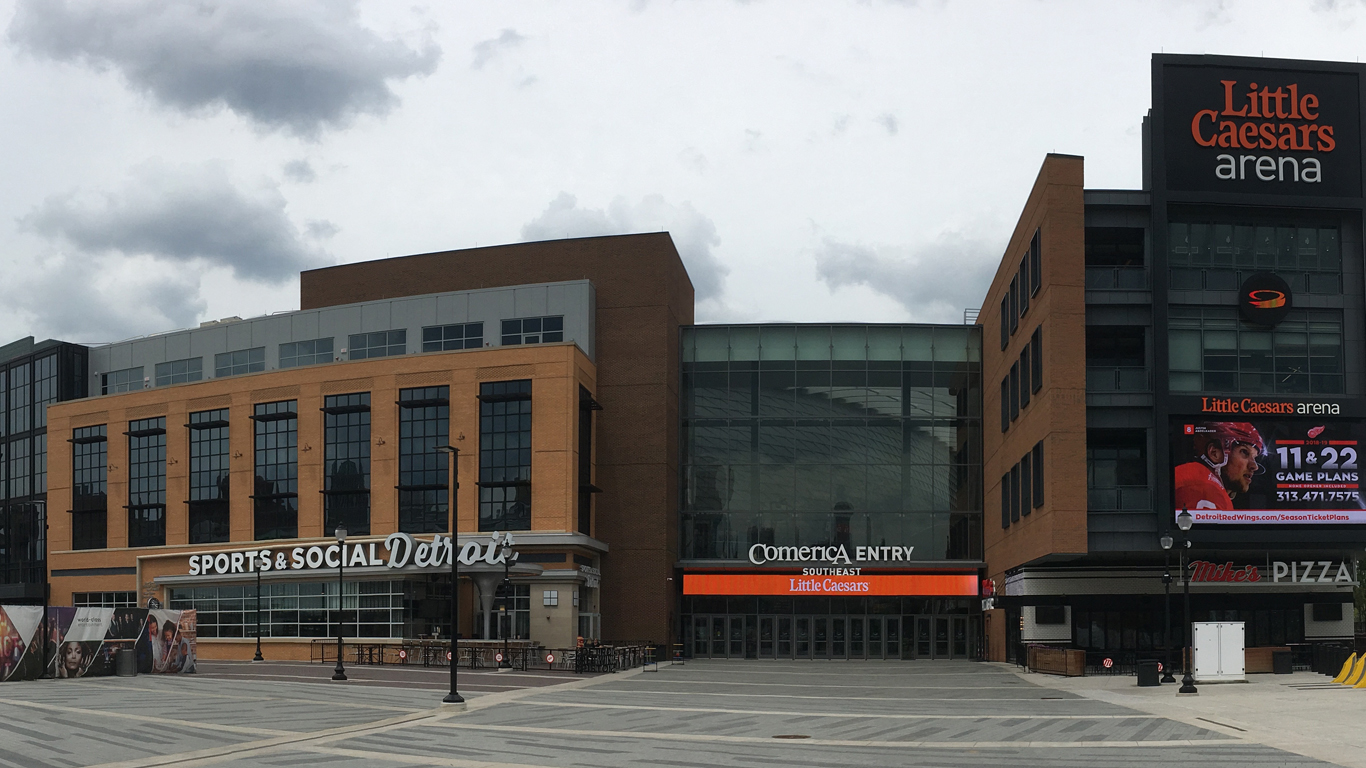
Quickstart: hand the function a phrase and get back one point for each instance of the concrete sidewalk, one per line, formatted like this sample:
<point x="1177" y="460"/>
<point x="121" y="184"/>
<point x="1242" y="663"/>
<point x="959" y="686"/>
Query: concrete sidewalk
<point x="1302" y="713"/>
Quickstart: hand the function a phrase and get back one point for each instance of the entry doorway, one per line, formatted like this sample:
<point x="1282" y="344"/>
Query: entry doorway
<point x="829" y="637"/>
<point x="940" y="637"/>
<point x="733" y="636"/>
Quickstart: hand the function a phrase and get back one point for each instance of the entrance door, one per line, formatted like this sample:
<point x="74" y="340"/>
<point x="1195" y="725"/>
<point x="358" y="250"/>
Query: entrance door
<point x="784" y="637"/>
<point x="839" y="642"/>
<point x="766" y="637"/>
<point x="875" y="637"/>
<point x="941" y="637"/>
<point x="893" y="634"/>
<point x="924" y="648"/>
<point x="737" y="637"/>
<point x="820" y="637"/>
<point x="701" y="636"/>
<point x="803" y="642"/>
<point x="857" y="644"/>
<point x="960" y="637"/>
<point x="718" y="637"/>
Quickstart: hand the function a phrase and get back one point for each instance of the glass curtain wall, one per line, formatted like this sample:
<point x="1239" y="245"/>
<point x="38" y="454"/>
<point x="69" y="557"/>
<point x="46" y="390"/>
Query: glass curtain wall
<point x="823" y="435"/>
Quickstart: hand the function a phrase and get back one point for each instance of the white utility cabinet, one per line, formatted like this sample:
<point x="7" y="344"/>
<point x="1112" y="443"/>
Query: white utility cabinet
<point x="1219" y="651"/>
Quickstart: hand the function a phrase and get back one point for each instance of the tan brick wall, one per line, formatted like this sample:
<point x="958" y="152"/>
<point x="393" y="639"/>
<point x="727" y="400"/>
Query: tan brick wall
<point x="1057" y="413"/>
<point x="556" y="370"/>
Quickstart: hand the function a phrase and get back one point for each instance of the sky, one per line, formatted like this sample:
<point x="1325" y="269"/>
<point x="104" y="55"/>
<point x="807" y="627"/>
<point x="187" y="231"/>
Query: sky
<point x="168" y="163"/>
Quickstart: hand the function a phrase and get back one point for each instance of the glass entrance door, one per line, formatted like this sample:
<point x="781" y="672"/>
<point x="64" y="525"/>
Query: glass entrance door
<point x="765" y="637"/>
<point x="784" y="637"/>
<point x="820" y="637"/>
<point x="941" y="637"/>
<point x="803" y="640"/>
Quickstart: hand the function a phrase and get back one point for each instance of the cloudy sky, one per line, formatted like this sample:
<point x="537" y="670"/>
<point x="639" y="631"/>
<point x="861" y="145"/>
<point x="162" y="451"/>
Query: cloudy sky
<point x="170" y="162"/>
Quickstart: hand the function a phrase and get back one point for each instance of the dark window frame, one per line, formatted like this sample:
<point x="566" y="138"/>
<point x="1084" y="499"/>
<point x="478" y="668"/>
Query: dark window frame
<point x="424" y="417"/>
<point x="1036" y="262"/>
<point x="89" y="471"/>
<point x="453" y="336"/>
<point x="1014" y="379"/>
<point x="147" y="482"/>
<point x="208" y="505"/>
<point x="505" y="456"/>
<point x="346" y="462"/>
<point x="1036" y="359"/>
<point x="547" y="329"/>
<point x="1037" y="461"/>
<point x="275" y="462"/>
<point x="372" y="344"/>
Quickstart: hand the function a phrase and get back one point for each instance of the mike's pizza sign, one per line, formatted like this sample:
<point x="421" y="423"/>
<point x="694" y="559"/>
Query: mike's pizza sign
<point x="1267" y="131"/>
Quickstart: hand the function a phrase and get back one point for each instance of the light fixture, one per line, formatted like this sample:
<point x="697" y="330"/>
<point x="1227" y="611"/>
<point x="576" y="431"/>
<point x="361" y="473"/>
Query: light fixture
<point x="1166" y="541"/>
<point x="341" y="533"/>
<point x="1184" y="520"/>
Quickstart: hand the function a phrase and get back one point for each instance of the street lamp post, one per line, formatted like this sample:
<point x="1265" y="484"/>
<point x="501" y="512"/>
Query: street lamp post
<point x="340" y="672"/>
<point x="257" y="568"/>
<point x="1167" y="542"/>
<point x="1184" y="522"/>
<point x="503" y="615"/>
<point x="453" y="485"/>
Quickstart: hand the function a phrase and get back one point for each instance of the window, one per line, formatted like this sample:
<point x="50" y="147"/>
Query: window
<point x="89" y="486"/>
<point x="533" y="330"/>
<point x="104" y="599"/>
<point x="1117" y="470"/>
<point x="1024" y="377"/>
<point x="368" y="609"/>
<point x="1036" y="359"/>
<point x="44" y="388"/>
<point x="1211" y="350"/>
<point x="1036" y="463"/>
<point x="1005" y="321"/>
<point x="1327" y="611"/>
<point x="443" y="338"/>
<point x="505" y="456"/>
<point x="1005" y="500"/>
<point x="346" y="482"/>
<point x="1050" y="614"/>
<point x="1005" y="403"/>
<point x="1116" y="358"/>
<point x="1218" y="256"/>
<point x="1035" y="263"/>
<point x="586" y="487"/>
<point x="1026" y="485"/>
<point x="276" y="498"/>
<point x="423" y="424"/>
<point x="179" y="371"/>
<point x="125" y="380"/>
<point x="550" y="597"/>
<point x="310" y="352"/>
<point x="1114" y="246"/>
<point x="378" y="344"/>
<point x="240" y="361"/>
<point x="518" y="623"/>
<point x="209" y="516"/>
<point x="20" y="390"/>
<point x="1014" y="294"/>
<point x="1023" y="277"/>
<point x="20" y="460"/>
<point x="1014" y="391"/>
<point x="1015" y="494"/>
<point x="147" y="482"/>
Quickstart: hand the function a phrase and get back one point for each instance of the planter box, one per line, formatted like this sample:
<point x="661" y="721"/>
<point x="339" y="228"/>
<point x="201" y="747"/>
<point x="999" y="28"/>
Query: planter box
<point x="1070" y="662"/>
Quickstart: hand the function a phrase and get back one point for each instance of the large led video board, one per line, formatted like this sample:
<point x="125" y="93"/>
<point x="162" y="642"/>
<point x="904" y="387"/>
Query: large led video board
<point x="1268" y="470"/>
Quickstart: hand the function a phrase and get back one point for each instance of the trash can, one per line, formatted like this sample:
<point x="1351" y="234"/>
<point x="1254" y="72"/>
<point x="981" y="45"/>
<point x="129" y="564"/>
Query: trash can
<point x="1281" y="662"/>
<point x="125" y="663"/>
<point x="1147" y="673"/>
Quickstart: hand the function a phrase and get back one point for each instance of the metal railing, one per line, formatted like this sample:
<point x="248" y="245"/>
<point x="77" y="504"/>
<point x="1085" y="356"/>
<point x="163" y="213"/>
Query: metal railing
<point x="592" y="659"/>
<point x="1117" y="278"/>
<point x="1118" y="379"/>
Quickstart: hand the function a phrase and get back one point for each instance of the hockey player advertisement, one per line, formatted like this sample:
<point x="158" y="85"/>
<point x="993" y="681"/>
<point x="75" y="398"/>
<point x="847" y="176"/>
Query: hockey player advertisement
<point x="1285" y="471"/>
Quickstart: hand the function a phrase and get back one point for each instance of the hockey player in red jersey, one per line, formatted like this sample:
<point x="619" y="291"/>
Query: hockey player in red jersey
<point x="1226" y="455"/>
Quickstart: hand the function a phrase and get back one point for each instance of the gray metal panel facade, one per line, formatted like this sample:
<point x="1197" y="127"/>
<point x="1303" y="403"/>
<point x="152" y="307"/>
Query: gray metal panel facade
<point x="574" y="300"/>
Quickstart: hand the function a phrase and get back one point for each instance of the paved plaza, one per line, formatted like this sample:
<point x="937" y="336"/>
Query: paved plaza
<point x="698" y="714"/>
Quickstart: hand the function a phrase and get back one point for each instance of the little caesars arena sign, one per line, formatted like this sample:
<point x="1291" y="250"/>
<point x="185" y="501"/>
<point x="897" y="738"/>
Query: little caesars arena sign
<point x="400" y="550"/>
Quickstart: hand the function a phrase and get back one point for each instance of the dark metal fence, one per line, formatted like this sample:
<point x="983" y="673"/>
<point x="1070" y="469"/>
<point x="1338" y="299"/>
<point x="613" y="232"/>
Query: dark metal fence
<point x="593" y="659"/>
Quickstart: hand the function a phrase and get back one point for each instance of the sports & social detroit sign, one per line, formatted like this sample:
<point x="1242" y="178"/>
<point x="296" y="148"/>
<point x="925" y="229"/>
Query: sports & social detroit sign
<point x="1267" y="131"/>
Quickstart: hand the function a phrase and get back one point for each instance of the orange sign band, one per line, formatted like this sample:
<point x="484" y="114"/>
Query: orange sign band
<point x="848" y="586"/>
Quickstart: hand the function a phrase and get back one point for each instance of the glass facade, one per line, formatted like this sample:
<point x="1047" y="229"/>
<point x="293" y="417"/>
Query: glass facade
<point x="209" y="516"/>
<point x="1216" y="256"/>
<point x="147" y="482"/>
<point x="1211" y="349"/>
<point x="276" y="500"/>
<point x="505" y="456"/>
<point x="307" y="609"/>
<point x="346" y="479"/>
<point x="813" y="435"/>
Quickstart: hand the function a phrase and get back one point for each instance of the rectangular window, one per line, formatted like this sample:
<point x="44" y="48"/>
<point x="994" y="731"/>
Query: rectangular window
<point x="1005" y="500"/>
<point x="1014" y="294"/>
<point x="276" y="497"/>
<point x="125" y="380"/>
<point x="1026" y="485"/>
<point x="1035" y="263"/>
<point x="89" y="485"/>
<point x="551" y="597"/>
<point x="19" y="457"/>
<point x="533" y="330"/>
<point x="424" y="417"/>
<point x="346" y="479"/>
<point x="443" y="338"/>
<point x="179" y="371"/>
<point x="311" y="352"/>
<point x="1114" y="246"/>
<point x="209" y="516"/>
<point x="1327" y="611"/>
<point x="20" y="392"/>
<point x="1005" y="403"/>
<point x="1036" y="359"/>
<point x="1210" y="349"/>
<point x="44" y="388"/>
<point x="1005" y="322"/>
<point x="1014" y="391"/>
<point x="239" y="361"/>
<point x="368" y="609"/>
<point x="1015" y="494"/>
<point x="104" y="599"/>
<point x="505" y="456"/>
<point x="147" y="482"/>
<point x="1036" y="460"/>
<point x="586" y="488"/>
<point x="1219" y="256"/>
<point x="377" y="344"/>
<point x="1024" y="377"/>
<point x="1024" y="285"/>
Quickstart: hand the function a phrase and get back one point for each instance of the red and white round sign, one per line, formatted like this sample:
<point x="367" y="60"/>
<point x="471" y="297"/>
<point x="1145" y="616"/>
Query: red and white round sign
<point x="497" y="657"/>
<point x="402" y="654"/>
<point x="1160" y="667"/>
<point x="1108" y="663"/>
<point x="550" y="658"/>
<point x="448" y="655"/>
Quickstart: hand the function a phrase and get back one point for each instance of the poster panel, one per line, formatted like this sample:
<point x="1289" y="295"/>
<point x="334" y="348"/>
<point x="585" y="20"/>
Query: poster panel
<point x="1268" y="470"/>
<point x="82" y="642"/>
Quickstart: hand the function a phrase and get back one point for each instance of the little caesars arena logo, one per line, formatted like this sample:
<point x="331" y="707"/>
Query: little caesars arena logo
<point x="1253" y="118"/>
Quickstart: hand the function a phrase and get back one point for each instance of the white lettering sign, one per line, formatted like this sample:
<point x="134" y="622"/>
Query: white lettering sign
<point x="403" y="551"/>
<point x="767" y="553"/>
